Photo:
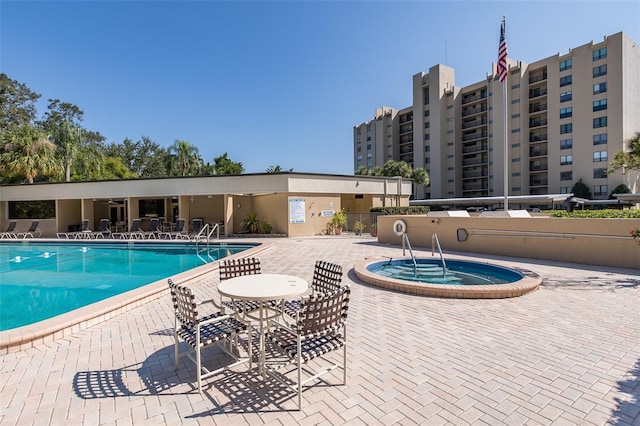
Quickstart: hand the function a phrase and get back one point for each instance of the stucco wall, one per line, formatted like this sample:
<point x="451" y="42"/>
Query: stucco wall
<point x="588" y="241"/>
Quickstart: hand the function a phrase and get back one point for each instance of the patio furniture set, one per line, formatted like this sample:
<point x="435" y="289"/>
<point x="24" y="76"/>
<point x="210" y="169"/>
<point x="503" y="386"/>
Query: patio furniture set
<point x="155" y="231"/>
<point x="11" y="233"/>
<point x="299" y="328"/>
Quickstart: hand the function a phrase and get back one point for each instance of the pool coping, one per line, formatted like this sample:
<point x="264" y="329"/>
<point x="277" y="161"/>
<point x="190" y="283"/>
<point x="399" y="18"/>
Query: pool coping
<point x="530" y="282"/>
<point x="49" y="330"/>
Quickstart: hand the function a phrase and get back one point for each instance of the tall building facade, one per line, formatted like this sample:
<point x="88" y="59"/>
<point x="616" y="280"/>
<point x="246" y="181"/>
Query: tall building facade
<point x="564" y="117"/>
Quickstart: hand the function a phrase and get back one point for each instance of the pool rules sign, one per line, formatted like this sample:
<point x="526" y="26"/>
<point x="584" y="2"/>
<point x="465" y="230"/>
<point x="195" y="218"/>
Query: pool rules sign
<point x="296" y="210"/>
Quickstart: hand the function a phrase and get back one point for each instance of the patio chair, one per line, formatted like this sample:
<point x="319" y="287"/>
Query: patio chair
<point x="133" y="234"/>
<point x="9" y="233"/>
<point x="84" y="232"/>
<point x="196" y="227"/>
<point x="154" y="229"/>
<point x="327" y="277"/>
<point x="201" y="332"/>
<point x="320" y="328"/>
<point x="178" y="231"/>
<point x="231" y="268"/>
<point x="103" y="230"/>
<point x="33" y="229"/>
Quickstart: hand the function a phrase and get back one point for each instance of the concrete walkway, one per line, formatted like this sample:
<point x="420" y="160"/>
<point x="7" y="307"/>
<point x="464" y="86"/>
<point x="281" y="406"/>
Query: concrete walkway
<point x="568" y="353"/>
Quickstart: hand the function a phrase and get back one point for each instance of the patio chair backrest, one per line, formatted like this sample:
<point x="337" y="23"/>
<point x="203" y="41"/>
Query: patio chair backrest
<point x="153" y="225"/>
<point x="196" y="226"/>
<point x="321" y="314"/>
<point x="104" y="225"/>
<point x="238" y="267"/>
<point x="11" y="227"/>
<point x="34" y="226"/>
<point x="179" y="225"/>
<point x="85" y="225"/>
<point x="327" y="277"/>
<point x="135" y="225"/>
<point x="184" y="305"/>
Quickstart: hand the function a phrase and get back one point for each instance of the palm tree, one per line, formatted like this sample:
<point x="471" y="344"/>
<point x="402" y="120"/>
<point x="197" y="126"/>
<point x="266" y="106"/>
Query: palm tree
<point x="277" y="169"/>
<point x="28" y="152"/>
<point x="185" y="158"/>
<point x="67" y="138"/>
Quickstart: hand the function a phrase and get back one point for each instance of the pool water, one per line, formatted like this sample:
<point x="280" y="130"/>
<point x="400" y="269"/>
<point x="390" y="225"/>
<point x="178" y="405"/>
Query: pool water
<point x="457" y="272"/>
<point x="41" y="280"/>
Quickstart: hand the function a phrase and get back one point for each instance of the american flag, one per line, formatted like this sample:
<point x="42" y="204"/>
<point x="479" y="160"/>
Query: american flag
<point x="501" y="68"/>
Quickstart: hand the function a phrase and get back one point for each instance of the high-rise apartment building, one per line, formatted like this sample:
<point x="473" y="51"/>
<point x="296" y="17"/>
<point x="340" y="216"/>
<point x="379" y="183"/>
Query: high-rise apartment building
<point x="566" y="116"/>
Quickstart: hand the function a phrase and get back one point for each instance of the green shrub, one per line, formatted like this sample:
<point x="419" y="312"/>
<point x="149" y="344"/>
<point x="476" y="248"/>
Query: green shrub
<point x="598" y="214"/>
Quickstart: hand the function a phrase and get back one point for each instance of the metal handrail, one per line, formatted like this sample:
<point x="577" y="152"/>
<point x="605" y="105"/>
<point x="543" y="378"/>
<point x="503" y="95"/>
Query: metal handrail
<point x="436" y="243"/>
<point x="415" y="265"/>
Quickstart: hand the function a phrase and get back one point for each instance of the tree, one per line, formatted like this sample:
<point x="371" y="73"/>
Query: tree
<point x="115" y="169"/>
<point x="620" y="189"/>
<point x="61" y="113"/>
<point x="67" y="138"/>
<point x="420" y="177"/>
<point x="629" y="157"/>
<point x="223" y="165"/>
<point x="397" y="168"/>
<point x="28" y="152"/>
<point x="17" y="103"/>
<point x="581" y="190"/>
<point x="184" y="159"/>
<point x="143" y="157"/>
<point x="277" y="169"/>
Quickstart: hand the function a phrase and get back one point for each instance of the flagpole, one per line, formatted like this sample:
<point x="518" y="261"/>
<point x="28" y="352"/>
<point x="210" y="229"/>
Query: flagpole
<point x="506" y="144"/>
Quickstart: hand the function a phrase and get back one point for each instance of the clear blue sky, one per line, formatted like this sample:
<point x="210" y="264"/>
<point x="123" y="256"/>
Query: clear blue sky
<point x="272" y="83"/>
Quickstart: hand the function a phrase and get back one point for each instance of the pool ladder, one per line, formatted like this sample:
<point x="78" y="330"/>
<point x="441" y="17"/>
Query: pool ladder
<point x="405" y="240"/>
<point x="436" y="243"/>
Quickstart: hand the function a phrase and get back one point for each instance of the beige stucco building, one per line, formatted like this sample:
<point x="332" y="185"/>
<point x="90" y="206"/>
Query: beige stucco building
<point x="295" y="204"/>
<point x="566" y="117"/>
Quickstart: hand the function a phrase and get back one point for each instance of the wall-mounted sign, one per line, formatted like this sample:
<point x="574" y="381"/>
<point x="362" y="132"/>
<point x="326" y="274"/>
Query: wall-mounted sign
<point x="296" y="210"/>
<point x="327" y="213"/>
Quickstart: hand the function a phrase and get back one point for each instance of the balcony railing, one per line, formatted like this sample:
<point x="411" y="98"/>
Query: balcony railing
<point x="538" y="168"/>
<point x="537" y="138"/>
<point x="473" y="161"/>
<point x="471" y="175"/>
<point x="474" y="123"/>
<point x="406" y="129"/>
<point x="537" y="108"/>
<point x="475" y="148"/>
<point x="473" y="136"/>
<point x="537" y="152"/>
<point x="470" y="111"/>
<point x="537" y="93"/>
<point x="538" y="122"/>
<point x="467" y="99"/>
<point x="540" y="182"/>
<point x="537" y="77"/>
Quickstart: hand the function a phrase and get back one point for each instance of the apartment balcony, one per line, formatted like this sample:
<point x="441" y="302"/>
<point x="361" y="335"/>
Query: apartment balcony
<point x="473" y="98"/>
<point x="537" y="152"/>
<point x="406" y="139"/>
<point x="475" y="193"/>
<point x="538" y="168"/>
<point x="474" y="174"/>
<point x="406" y="129"/>
<point x="538" y="137"/>
<point x="536" y="93"/>
<point x="474" y="148"/>
<point x="538" y="182"/>
<point x="473" y="136"/>
<point x="537" y="122"/>
<point x="406" y="150"/>
<point x="406" y="119"/>
<point x="474" y="187"/>
<point x="537" y="77"/>
<point x="474" y="161"/>
<point x="537" y="107"/>
<point x="471" y="111"/>
<point x="474" y="123"/>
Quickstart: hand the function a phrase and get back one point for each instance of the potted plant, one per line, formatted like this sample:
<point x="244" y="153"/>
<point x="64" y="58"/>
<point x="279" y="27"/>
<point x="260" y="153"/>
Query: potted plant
<point x="265" y="227"/>
<point x="251" y="223"/>
<point x="338" y="221"/>
<point x="373" y="229"/>
<point x="358" y="227"/>
<point x="635" y="234"/>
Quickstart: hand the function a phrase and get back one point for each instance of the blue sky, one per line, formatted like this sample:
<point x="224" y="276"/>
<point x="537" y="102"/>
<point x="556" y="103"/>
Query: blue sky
<point x="272" y="83"/>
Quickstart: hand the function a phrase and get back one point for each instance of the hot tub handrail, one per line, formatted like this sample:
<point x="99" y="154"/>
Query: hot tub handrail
<point x="415" y="265"/>
<point x="435" y="242"/>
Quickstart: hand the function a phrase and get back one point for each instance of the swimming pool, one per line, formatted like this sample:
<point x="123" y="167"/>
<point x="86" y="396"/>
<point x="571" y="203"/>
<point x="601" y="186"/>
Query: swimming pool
<point x="42" y="280"/>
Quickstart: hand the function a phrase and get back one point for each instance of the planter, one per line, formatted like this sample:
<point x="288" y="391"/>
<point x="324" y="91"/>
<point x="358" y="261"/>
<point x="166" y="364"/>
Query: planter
<point x="337" y="230"/>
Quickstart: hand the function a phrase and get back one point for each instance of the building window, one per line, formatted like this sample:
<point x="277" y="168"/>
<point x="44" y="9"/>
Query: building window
<point x="566" y="144"/>
<point x="566" y="80"/>
<point x="566" y="128"/>
<point x="566" y="112"/>
<point x="515" y="101"/>
<point x="450" y="144"/>
<point x="599" y="122"/>
<point x="515" y="115"/>
<point x="515" y="131"/>
<point x="427" y="148"/>
<point x="427" y="125"/>
<point x="600" y="71"/>
<point x="359" y="149"/>
<point x="566" y="160"/>
<point x="600" y="173"/>
<point x="359" y="157"/>
<point x="449" y="132"/>
<point x="426" y="96"/>
<point x="515" y="145"/>
<point x="599" y="88"/>
<point x="600" y="156"/>
<point x="427" y="160"/>
<point x="449" y="118"/>
<point x="515" y="160"/>
<point x="566" y="175"/>
<point x="450" y="156"/>
<point x="368" y="147"/>
<point x="565" y="65"/>
<point x="600" y="139"/>
<point x="427" y="136"/>
<point x="565" y="96"/>
<point x="600" y="54"/>
<point x="369" y="164"/>
<point x="368" y="138"/>
<point x="450" y="107"/>
<point x="599" y="105"/>
<point x="368" y="128"/>
<point x="450" y="168"/>
<point x="516" y="86"/>
<point x="369" y="155"/>
<point x="565" y="189"/>
<point x="600" y="190"/>
<point x="427" y="113"/>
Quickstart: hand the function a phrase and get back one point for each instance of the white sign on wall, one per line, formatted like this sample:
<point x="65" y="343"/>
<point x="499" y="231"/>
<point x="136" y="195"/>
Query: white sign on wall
<point x="296" y="210"/>
<point x="327" y="213"/>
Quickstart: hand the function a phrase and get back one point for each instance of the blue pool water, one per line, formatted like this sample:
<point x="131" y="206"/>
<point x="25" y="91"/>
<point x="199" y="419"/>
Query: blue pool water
<point x="41" y="280"/>
<point x="458" y="272"/>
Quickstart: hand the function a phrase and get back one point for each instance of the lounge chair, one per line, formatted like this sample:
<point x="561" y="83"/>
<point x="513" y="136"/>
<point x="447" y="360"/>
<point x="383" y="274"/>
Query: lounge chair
<point x="103" y="230"/>
<point x="327" y="278"/>
<point x="200" y="332"/>
<point x="134" y="233"/>
<point x="320" y="328"/>
<point x="33" y="229"/>
<point x="178" y="231"/>
<point x="153" y="229"/>
<point x="10" y="232"/>
<point x="196" y="228"/>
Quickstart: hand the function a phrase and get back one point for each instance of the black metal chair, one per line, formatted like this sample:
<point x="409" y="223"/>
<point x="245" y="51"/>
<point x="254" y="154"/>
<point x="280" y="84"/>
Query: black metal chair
<point x="327" y="277"/>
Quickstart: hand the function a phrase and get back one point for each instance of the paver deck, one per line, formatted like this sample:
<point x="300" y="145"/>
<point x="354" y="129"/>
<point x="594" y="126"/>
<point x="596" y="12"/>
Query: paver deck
<point x="568" y="353"/>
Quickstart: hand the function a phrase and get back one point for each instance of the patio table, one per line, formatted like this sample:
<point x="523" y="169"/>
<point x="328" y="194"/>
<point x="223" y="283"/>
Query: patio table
<point x="263" y="288"/>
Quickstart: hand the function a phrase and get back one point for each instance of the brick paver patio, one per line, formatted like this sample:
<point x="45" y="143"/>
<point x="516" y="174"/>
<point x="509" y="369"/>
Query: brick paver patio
<point x="568" y="353"/>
